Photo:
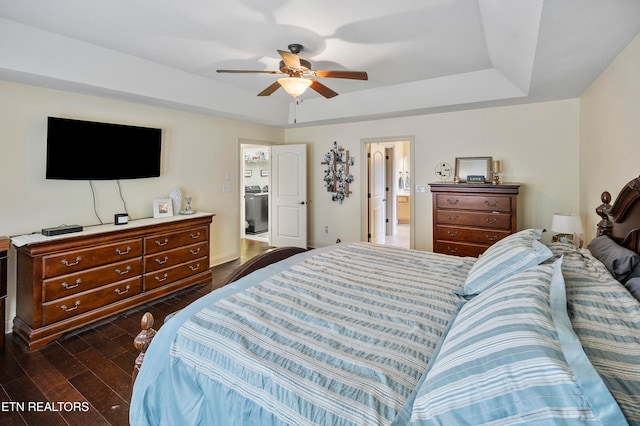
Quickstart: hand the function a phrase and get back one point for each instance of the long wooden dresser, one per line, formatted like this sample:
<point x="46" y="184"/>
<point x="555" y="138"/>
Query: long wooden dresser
<point x="4" y="248"/>
<point x="69" y="281"/>
<point x="470" y="217"/>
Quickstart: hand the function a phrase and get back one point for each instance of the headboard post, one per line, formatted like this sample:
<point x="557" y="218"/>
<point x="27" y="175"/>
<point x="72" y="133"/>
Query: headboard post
<point x="605" y="226"/>
<point x="621" y="220"/>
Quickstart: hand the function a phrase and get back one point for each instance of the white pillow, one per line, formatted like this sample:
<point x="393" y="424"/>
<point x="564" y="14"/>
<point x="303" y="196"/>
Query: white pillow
<point x="508" y="256"/>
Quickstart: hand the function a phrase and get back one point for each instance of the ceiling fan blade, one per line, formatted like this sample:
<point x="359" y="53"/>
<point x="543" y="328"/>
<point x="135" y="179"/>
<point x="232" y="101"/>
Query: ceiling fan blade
<point x="290" y="59"/>
<point x="322" y="89"/>
<point x="269" y="90"/>
<point x="250" y="72"/>
<point x="354" y="75"/>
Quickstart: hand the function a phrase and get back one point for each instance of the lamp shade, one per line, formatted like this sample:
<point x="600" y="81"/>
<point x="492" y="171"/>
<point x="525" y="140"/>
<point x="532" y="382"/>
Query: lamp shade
<point x="566" y="224"/>
<point x="295" y="86"/>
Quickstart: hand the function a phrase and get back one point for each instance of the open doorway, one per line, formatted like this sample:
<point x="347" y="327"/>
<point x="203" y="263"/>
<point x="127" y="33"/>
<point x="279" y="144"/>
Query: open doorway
<point x="388" y="201"/>
<point x="254" y="196"/>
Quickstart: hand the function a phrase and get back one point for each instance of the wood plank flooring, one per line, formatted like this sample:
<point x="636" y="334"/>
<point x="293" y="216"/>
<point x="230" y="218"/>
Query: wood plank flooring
<point x="85" y="378"/>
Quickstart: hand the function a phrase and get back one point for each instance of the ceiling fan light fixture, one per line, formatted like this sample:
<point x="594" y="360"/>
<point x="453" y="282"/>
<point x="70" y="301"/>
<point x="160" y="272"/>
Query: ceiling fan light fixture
<point x="295" y="86"/>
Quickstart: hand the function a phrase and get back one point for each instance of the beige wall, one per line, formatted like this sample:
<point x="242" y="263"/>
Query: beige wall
<point x="537" y="143"/>
<point x="200" y="155"/>
<point x="610" y="132"/>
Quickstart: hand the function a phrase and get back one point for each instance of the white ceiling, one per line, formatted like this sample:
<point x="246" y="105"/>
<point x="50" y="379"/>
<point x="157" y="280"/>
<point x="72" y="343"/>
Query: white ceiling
<point x="421" y="55"/>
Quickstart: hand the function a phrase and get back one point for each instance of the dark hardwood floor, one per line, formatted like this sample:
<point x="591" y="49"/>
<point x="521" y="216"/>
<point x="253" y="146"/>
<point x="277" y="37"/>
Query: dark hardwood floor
<point x="85" y="378"/>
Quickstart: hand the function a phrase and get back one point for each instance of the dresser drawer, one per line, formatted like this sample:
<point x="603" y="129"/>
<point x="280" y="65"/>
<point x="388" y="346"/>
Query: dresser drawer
<point x="78" y="260"/>
<point x="169" y="275"/>
<point x="67" y="307"/>
<point x="173" y="257"/>
<point x="66" y="285"/>
<point x="481" y="236"/>
<point x="459" y="249"/>
<point x="490" y="203"/>
<point x="480" y="220"/>
<point x="161" y="242"/>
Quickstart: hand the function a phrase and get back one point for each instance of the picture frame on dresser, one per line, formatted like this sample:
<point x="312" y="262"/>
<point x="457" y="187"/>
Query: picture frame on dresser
<point x="162" y="207"/>
<point x="473" y="166"/>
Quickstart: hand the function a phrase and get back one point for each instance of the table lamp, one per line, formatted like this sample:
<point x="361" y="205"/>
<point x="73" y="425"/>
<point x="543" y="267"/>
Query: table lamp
<point x="496" y="168"/>
<point x="568" y="228"/>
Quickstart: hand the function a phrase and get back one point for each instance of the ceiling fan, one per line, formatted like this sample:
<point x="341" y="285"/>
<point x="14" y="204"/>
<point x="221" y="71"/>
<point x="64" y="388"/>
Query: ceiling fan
<point x="300" y="75"/>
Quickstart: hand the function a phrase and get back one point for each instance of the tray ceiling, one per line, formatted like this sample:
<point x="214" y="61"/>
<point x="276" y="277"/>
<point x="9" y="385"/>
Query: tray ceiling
<point x="421" y="56"/>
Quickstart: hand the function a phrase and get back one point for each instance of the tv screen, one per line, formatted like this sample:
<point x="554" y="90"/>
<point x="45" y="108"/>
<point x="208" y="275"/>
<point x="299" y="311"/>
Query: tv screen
<point x="88" y="150"/>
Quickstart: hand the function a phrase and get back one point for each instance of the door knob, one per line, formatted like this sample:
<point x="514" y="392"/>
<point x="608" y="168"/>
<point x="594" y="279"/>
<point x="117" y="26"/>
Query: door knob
<point x="302" y="202"/>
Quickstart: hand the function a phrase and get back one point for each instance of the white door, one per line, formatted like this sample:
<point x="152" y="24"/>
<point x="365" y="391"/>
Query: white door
<point x="288" y="195"/>
<point x="377" y="194"/>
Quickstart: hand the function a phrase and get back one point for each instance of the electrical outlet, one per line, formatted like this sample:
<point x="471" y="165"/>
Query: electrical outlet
<point x="326" y="229"/>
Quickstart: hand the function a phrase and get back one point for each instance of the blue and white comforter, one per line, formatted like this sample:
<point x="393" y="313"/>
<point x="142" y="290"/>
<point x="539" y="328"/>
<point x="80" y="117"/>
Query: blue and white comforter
<point x="334" y="337"/>
<point x="344" y="335"/>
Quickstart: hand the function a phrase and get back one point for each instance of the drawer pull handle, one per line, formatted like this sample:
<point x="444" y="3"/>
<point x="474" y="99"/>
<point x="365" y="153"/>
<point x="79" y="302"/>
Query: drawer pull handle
<point x="491" y="221"/>
<point x="194" y="268"/>
<point x="452" y="250"/>
<point x="69" y="287"/>
<point x="163" y="278"/>
<point x="65" y="262"/>
<point x="126" y="290"/>
<point x="452" y="202"/>
<point x="162" y="243"/>
<point x="68" y="309"/>
<point x="121" y="272"/>
<point x="161" y="261"/>
<point x="121" y="253"/>
<point x="194" y="252"/>
<point x="453" y="234"/>
<point x="491" y="203"/>
<point x="195" y="236"/>
<point x="490" y="238"/>
<point x="452" y="218"/>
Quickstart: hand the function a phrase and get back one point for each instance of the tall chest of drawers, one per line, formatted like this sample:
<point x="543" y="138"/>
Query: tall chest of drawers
<point x="70" y="281"/>
<point x="468" y="218"/>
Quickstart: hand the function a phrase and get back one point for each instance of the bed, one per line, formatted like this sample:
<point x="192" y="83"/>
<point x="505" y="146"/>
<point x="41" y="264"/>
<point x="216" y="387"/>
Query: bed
<point x="363" y="334"/>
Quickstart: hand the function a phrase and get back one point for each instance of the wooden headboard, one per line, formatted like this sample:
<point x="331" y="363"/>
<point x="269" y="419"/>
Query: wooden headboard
<point x="621" y="221"/>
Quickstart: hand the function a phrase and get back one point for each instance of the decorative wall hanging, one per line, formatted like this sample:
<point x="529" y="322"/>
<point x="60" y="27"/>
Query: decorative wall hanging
<point x="336" y="176"/>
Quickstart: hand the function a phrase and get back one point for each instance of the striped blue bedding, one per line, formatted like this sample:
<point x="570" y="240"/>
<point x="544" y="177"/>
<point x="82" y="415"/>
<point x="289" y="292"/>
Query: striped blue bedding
<point x="344" y="336"/>
<point x="606" y="318"/>
<point x="339" y="338"/>
<point x="511" y="357"/>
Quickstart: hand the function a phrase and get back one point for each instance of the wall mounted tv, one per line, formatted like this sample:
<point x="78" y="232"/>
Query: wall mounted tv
<point x="88" y="150"/>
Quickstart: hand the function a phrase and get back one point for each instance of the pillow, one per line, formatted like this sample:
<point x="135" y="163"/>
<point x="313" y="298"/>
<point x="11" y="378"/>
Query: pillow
<point x="511" y="356"/>
<point x="619" y="260"/>
<point x="508" y="256"/>
<point x="633" y="285"/>
<point x="606" y="317"/>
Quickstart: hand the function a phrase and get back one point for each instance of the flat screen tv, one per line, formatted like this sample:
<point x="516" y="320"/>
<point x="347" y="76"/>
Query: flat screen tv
<point x="88" y="150"/>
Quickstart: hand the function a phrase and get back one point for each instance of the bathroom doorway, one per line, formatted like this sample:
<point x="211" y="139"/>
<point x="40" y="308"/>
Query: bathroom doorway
<point x="387" y="203"/>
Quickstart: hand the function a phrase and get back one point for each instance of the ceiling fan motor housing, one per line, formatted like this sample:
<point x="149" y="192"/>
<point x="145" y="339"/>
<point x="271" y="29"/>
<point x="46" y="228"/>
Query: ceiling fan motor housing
<point x="304" y="66"/>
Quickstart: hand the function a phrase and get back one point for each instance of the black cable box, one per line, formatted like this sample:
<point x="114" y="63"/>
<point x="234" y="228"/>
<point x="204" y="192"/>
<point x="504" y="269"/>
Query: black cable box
<point x="59" y="230"/>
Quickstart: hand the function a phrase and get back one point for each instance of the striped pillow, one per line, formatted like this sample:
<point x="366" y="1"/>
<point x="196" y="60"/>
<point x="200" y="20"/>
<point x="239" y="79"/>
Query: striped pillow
<point x="510" y="357"/>
<point x="508" y="256"/>
<point x="606" y="318"/>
